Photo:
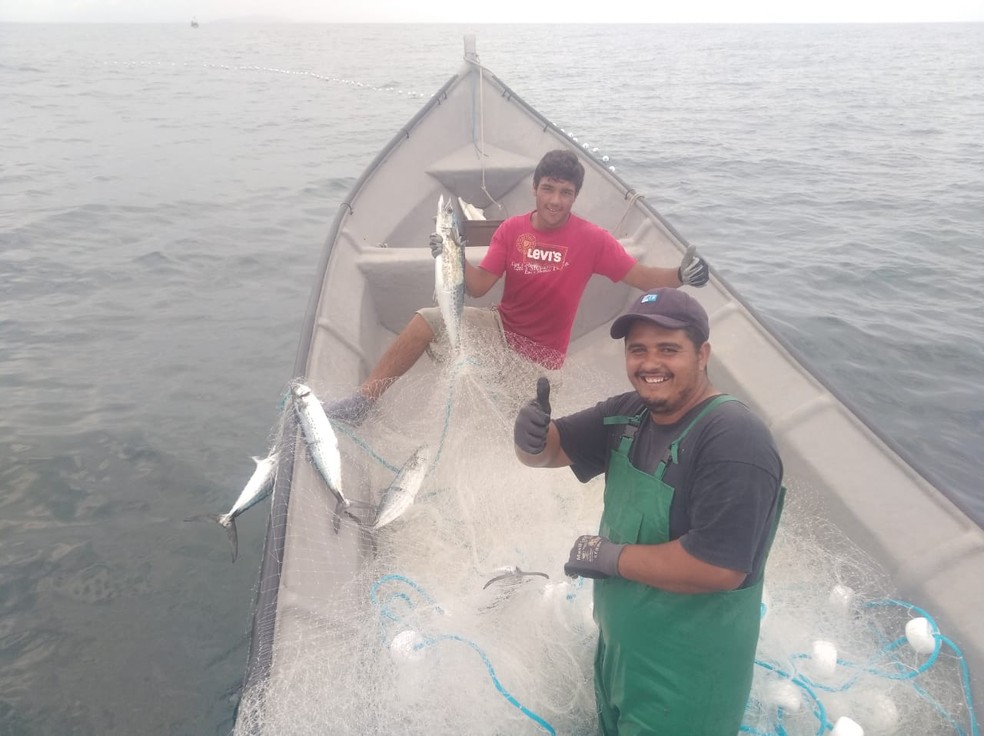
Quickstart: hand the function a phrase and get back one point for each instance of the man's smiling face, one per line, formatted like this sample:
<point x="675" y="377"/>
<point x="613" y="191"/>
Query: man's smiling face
<point x="554" y="199"/>
<point x="666" y="369"/>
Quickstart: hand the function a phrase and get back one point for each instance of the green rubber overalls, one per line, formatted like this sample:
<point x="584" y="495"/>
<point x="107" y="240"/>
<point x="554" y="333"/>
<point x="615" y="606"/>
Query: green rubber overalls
<point x="667" y="664"/>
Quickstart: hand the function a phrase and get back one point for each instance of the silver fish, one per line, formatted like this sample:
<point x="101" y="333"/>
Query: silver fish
<point x="321" y="440"/>
<point x="258" y="487"/>
<point x="449" y="272"/>
<point x="401" y="493"/>
<point x="513" y="574"/>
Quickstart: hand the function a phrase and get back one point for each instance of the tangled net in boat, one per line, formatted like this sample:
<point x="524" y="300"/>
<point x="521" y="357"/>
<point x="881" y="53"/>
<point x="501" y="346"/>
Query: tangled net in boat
<point x="457" y="617"/>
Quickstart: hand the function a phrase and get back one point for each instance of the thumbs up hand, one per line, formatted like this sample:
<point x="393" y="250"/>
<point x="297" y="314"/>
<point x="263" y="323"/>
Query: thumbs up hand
<point x="693" y="269"/>
<point x="533" y="421"/>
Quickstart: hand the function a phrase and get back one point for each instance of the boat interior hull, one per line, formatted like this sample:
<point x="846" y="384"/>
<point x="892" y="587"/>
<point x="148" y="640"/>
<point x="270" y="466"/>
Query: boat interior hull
<point x="478" y="141"/>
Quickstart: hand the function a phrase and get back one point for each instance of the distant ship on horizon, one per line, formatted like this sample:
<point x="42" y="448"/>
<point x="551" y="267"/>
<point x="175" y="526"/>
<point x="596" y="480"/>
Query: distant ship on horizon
<point x="194" y="23"/>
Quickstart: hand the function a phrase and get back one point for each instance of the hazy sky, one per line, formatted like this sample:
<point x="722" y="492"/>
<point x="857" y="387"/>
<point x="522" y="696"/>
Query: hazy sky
<point x="497" y="11"/>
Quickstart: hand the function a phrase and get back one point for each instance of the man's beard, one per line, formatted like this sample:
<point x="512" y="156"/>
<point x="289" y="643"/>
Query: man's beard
<point x="658" y="406"/>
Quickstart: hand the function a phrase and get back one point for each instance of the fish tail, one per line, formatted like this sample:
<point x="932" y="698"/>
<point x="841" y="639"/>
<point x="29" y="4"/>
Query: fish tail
<point x="357" y="519"/>
<point x="226" y="521"/>
<point x="217" y="518"/>
<point x="342" y="508"/>
<point x="233" y="538"/>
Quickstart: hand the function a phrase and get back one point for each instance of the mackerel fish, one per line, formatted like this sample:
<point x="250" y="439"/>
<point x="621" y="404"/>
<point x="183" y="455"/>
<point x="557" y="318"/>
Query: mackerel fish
<point x="512" y="574"/>
<point x="321" y="441"/>
<point x="258" y="487"/>
<point x="449" y="272"/>
<point x="401" y="493"/>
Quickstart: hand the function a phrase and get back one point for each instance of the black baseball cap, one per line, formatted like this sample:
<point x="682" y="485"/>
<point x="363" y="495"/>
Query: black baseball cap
<point x="666" y="307"/>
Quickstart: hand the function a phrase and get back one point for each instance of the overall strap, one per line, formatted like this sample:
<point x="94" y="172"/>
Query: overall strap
<point x="631" y="427"/>
<point x="672" y="452"/>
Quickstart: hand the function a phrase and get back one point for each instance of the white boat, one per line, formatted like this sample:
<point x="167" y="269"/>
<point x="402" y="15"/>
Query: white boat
<point x="401" y="630"/>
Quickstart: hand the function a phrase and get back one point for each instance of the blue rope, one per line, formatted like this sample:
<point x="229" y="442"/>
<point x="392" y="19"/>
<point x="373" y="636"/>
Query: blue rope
<point x="819" y="711"/>
<point x="369" y="451"/>
<point x="406" y="581"/>
<point x="386" y="613"/>
<point x="939" y="640"/>
<point x="538" y="720"/>
<point x="283" y="400"/>
<point x="455" y="375"/>
<point x="900" y="673"/>
<point x="965" y="681"/>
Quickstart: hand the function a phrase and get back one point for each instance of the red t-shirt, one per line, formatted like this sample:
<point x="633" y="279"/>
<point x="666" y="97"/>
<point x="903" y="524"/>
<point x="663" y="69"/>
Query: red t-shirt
<point x="545" y="275"/>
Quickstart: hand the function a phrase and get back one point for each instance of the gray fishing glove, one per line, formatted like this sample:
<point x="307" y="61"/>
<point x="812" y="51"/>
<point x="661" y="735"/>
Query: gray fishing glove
<point x="533" y="420"/>
<point x="594" y="557"/>
<point x="436" y="244"/>
<point x="693" y="269"/>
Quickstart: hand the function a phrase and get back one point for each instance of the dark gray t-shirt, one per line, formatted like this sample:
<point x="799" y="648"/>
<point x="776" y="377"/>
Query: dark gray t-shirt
<point x="725" y="486"/>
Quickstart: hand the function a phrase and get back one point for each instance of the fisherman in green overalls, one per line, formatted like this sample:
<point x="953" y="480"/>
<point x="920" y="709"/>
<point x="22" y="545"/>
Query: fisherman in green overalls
<point x="693" y="494"/>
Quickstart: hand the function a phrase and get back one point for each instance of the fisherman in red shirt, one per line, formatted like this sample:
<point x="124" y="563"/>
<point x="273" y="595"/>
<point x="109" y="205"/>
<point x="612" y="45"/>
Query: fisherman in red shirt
<point x="546" y="257"/>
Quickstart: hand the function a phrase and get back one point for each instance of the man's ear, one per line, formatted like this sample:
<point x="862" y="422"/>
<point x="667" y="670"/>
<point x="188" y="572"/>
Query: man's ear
<point x="704" y="355"/>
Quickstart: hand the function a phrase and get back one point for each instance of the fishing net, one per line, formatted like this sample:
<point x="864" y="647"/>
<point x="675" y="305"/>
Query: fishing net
<point x="836" y="643"/>
<point x="457" y="617"/>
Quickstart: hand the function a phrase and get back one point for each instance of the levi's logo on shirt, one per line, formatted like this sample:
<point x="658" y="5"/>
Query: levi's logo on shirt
<point x="539" y="257"/>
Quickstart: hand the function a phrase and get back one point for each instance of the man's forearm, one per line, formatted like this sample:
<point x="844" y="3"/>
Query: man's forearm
<point x="670" y="567"/>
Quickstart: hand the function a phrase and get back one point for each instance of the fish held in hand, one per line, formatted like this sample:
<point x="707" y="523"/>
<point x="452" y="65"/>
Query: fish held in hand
<point x="449" y="271"/>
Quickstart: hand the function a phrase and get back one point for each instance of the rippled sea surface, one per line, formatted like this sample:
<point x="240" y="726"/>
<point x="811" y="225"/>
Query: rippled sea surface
<point x="165" y="193"/>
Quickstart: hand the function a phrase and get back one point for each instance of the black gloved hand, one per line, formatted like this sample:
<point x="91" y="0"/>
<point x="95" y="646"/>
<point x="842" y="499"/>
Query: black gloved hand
<point x="594" y="557"/>
<point x="533" y="420"/>
<point x="436" y="244"/>
<point x="693" y="269"/>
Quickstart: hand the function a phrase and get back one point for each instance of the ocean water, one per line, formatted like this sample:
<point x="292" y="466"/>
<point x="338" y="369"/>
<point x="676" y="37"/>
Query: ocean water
<point x="165" y="193"/>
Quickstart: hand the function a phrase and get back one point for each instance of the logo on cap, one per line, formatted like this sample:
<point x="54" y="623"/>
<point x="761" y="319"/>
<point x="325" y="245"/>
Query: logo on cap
<point x="649" y="298"/>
